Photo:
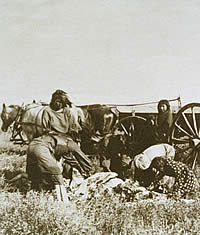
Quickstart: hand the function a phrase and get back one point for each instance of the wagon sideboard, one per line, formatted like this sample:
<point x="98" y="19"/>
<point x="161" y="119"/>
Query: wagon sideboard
<point x="145" y="111"/>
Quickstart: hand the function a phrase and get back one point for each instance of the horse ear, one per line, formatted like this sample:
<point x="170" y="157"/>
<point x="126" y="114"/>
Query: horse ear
<point x="4" y="106"/>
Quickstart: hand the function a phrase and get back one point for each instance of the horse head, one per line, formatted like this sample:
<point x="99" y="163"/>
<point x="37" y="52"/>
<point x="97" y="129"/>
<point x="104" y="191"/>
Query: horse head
<point x="9" y="115"/>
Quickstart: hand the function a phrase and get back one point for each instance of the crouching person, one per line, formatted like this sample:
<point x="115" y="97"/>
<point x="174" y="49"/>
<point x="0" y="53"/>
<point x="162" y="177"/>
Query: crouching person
<point x="140" y="166"/>
<point x="43" y="167"/>
<point x="186" y="183"/>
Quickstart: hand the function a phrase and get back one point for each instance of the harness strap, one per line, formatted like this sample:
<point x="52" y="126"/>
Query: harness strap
<point x="15" y="125"/>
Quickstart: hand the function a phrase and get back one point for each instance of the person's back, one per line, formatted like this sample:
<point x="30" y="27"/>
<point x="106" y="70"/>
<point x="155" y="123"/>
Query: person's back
<point x="144" y="159"/>
<point x="142" y="162"/>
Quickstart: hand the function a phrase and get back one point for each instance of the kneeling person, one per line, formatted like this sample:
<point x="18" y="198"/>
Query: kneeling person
<point x="43" y="167"/>
<point x="185" y="180"/>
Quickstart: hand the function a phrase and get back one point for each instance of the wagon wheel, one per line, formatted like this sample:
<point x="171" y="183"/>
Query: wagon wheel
<point x="185" y="134"/>
<point x="139" y="133"/>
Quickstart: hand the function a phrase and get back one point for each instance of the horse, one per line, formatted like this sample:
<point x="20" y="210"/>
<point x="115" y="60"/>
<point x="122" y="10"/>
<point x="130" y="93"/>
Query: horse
<point x="11" y="115"/>
<point x="100" y="117"/>
<point x="26" y="120"/>
<point x="96" y="121"/>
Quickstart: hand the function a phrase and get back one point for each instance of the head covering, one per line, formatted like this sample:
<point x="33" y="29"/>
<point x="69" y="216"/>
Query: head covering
<point x="164" y="121"/>
<point x="62" y="95"/>
<point x="141" y="162"/>
<point x="161" y="102"/>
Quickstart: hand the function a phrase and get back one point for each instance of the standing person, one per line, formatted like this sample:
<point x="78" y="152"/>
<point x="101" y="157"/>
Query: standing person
<point x="185" y="180"/>
<point x="164" y="120"/>
<point x="43" y="168"/>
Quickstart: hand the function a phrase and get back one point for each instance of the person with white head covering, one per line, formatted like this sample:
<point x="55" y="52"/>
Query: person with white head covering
<point x="144" y="159"/>
<point x="140" y="165"/>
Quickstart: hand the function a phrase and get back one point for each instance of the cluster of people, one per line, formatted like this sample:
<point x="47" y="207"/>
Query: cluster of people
<point x="58" y="144"/>
<point x="154" y="167"/>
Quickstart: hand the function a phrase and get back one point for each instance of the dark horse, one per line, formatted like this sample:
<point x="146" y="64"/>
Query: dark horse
<point x="96" y="121"/>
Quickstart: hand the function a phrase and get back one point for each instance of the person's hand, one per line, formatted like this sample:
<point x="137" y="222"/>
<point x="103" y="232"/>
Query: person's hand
<point x="151" y="187"/>
<point x="106" y="164"/>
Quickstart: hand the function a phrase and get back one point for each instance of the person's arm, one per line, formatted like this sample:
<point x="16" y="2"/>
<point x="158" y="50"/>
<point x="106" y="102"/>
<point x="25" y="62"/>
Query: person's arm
<point x="61" y="150"/>
<point x="46" y="119"/>
<point x="159" y="176"/>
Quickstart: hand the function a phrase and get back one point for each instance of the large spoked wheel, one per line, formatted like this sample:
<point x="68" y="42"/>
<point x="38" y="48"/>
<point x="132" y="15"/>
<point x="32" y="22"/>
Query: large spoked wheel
<point x="139" y="133"/>
<point x="185" y="134"/>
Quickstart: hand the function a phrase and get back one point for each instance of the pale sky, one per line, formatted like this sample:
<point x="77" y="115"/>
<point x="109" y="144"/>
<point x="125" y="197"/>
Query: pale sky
<point x="100" y="51"/>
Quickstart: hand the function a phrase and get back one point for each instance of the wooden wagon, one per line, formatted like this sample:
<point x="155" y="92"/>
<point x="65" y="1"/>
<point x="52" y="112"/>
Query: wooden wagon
<point x="184" y="133"/>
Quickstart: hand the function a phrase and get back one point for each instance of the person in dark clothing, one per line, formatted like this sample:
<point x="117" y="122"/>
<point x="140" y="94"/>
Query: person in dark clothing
<point x="185" y="180"/>
<point x="164" y="120"/>
<point x="113" y="156"/>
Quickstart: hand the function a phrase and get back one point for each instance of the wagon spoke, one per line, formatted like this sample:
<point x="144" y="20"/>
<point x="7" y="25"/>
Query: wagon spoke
<point x="123" y="127"/>
<point x="180" y="141"/>
<point x="182" y="150"/>
<point x="188" y="124"/>
<point x="189" y="156"/>
<point x="183" y="130"/>
<point x="132" y="128"/>
<point x="195" y="159"/>
<point x="195" y="122"/>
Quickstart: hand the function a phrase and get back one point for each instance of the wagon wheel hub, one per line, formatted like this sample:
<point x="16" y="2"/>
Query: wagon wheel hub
<point x="139" y="133"/>
<point x="195" y="142"/>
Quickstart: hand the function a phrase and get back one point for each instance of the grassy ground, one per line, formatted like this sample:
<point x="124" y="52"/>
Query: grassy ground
<point x="23" y="211"/>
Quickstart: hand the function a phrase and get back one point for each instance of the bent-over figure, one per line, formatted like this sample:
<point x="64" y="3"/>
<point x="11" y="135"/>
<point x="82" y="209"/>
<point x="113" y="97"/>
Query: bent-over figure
<point x="140" y="165"/>
<point x="185" y="180"/>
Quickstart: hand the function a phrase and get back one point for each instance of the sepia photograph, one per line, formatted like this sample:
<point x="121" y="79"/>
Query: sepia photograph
<point x="99" y="117"/>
